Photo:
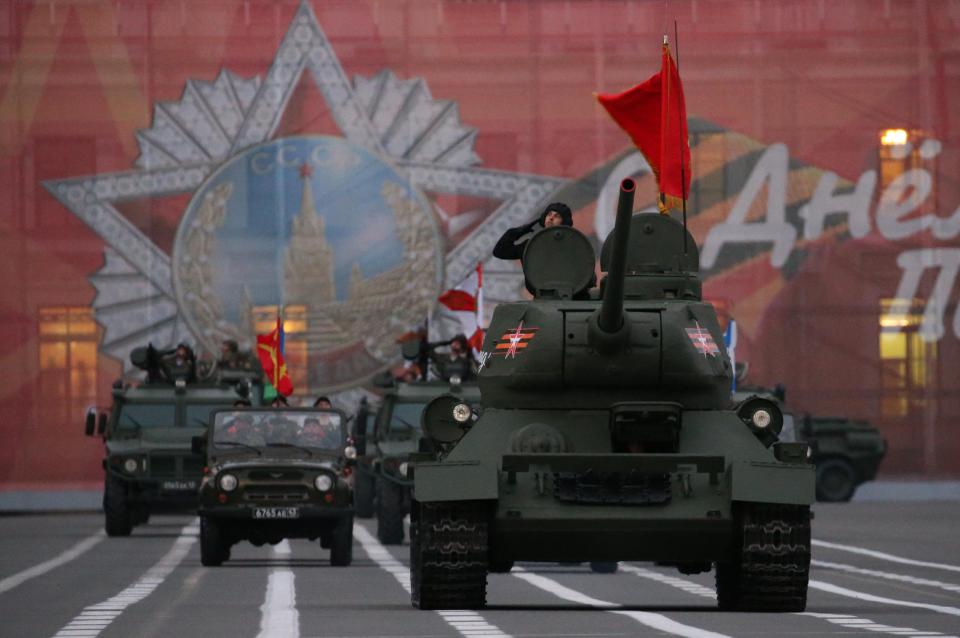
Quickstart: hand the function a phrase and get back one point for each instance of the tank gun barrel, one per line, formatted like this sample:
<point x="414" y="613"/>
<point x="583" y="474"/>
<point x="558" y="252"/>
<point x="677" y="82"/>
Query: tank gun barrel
<point x="610" y="319"/>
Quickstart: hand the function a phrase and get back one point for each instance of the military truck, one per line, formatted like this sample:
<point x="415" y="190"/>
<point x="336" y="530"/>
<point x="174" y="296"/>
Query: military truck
<point x="383" y="479"/>
<point x="148" y="465"/>
<point x="606" y="435"/>
<point x="275" y="474"/>
<point x="846" y="452"/>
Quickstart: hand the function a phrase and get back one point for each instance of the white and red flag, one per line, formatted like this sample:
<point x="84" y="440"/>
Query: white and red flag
<point x="466" y="302"/>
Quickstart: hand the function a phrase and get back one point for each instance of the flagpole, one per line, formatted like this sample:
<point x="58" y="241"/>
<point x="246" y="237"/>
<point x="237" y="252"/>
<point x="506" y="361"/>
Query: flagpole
<point x="683" y="177"/>
<point x="665" y="124"/>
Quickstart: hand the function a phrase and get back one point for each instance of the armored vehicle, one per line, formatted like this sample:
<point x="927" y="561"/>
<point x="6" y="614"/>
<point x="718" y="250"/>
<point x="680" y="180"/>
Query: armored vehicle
<point x="383" y="479"/>
<point x="274" y="474"/>
<point x="846" y="452"/>
<point x="148" y="465"/>
<point x="606" y="435"/>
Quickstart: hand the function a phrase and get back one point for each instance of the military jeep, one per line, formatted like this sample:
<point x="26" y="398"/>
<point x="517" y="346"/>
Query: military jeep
<point x="846" y="452"/>
<point x="274" y="474"/>
<point x="148" y="464"/>
<point x="384" y="480"/>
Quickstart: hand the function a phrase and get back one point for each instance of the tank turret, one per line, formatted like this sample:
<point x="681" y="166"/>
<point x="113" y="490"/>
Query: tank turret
<point x="645" y="335"/>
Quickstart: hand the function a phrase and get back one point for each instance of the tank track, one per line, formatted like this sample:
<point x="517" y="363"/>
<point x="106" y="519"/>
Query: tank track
<point x="771" y="565"/>
<point x="449" y="555"/>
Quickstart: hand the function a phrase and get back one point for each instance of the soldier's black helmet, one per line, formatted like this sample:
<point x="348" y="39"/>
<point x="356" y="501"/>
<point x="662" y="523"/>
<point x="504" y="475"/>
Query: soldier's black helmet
<point x="562" y="209"/>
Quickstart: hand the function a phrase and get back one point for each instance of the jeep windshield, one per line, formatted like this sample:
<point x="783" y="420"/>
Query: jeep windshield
<point x="405" y="418"/>
<point x="143" y="415"/>
<point x="308" y="429"/>
<point x="198" y="414"/>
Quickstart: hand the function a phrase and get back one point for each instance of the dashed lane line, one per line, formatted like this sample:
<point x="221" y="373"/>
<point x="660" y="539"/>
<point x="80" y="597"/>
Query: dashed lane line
<point x="466" y="622"/>
<point x="884" y="556"/>
<point x="848" y="621"/>
<point x="79" y="549"/>
<point x="278" y="613"/>
<point x="650" y="619"/>
<point x="913" y="580"/>
<point x="95" y="618"/>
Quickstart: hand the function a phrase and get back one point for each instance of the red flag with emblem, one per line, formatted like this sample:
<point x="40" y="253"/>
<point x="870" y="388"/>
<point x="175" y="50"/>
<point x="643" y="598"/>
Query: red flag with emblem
<point x="270" y="353"/>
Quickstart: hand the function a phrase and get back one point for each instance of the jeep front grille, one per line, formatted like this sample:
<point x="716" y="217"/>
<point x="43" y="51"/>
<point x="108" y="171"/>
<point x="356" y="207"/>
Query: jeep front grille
<point x="275" y="475"/>
<point x="161" y="466"/>
<point x="275" y="493"/>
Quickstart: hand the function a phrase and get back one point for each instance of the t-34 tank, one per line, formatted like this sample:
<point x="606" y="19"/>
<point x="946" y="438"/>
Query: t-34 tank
<point x="606" y="435"/>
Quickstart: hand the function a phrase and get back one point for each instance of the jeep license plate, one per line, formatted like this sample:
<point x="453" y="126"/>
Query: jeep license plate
<point x="276" y="512"/>
<point x="179" y="485"/>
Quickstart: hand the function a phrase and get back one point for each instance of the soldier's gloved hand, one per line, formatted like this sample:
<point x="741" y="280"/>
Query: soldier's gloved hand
<point x="529" y="227"/>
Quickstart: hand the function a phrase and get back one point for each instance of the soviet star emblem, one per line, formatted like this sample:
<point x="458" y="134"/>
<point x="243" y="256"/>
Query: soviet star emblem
<point x="220" y="138"/>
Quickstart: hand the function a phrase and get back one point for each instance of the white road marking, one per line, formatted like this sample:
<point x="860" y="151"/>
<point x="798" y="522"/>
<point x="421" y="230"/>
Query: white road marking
<point x="850" y="593"/>
<point x="884" y="556"/>
<point x="650" y="619"/>
<point x="848" y="621"/>
<point x="80" y="548"/>
<point x="887" y="575"/>
<point x="466" y="622"/>
<point x="278" y="613"/>
<point x="95" y="618"/>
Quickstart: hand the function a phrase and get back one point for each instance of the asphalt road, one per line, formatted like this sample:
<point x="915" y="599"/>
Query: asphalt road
<point x="879" y="569"/>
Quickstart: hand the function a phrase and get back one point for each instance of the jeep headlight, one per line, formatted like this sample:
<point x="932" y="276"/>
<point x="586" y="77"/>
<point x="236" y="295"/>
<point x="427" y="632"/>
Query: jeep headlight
<point x="228" y="482"/>
<point x="404" y="468"/>
<point x="131" y="466"/>
<point x="461" y="413"/>
<point x="761" y="418"/>
<point x="323" y="482"/>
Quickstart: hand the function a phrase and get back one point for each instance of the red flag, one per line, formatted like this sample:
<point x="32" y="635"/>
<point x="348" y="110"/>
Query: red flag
<point x="466" y="302"/>
<point x="655" y="116"/>
<point x="271" y="359"/>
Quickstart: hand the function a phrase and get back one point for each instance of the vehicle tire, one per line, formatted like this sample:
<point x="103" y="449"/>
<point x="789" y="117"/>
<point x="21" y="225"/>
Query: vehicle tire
<point x="449" y="553"/>
<point x="118" y="517"/>
<point x="213" y="548"/>
<point x="389" y="512"/>
<point x="341" y="543"/>
<point x="770" y="566"/>
<point x="836" y="481"/>
<point x="364" y="483"/>
<point x="604" y="566"/>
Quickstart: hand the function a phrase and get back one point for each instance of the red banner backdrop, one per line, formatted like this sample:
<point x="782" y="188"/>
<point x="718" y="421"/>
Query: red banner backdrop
<point x="825" y="155"/>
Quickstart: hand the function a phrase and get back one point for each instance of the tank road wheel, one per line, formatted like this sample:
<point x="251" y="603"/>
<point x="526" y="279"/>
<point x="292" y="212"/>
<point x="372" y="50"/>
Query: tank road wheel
<point x="213" y="547"/>
<point x="836" y="481"/>
<point x="118" y="519"/>
<point x="771" y="565"/>
<point x="389" y="512"/>
<point x="448" y="555"/>
<point x="363" y="486"/>
<point x="341" y="543"/>
<point x="604" y="567"/>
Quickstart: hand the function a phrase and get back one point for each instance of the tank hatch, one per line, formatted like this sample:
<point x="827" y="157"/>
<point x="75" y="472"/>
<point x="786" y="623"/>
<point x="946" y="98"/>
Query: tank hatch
<point x="656" y="265"/>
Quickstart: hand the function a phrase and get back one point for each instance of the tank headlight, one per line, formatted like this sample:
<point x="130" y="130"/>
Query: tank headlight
<point x="323" y="482"/>
<point x="228" y="482"/>
<point x="461" y="413"/>
<point x="404" y="468"/>
<point x="350" y="452"/>
<point x="131" y="465"/>
<point x="809" y="452"/>
<point x="761" y="418"/>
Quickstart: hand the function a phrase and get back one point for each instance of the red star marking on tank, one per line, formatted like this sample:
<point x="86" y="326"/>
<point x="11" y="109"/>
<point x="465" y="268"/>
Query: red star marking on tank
<point x="516" y="340"/>
<point x="702" y="341"/>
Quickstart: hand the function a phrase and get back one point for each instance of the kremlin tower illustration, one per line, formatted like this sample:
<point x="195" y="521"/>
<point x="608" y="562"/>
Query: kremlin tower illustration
<point x="372" y="310"/>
